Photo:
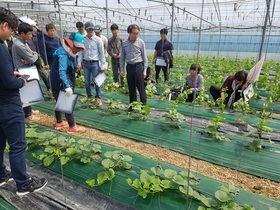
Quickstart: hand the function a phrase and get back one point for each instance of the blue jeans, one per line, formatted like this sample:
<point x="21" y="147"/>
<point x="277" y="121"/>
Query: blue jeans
<point x="12" y="129"/>
<point x="91" y="70"/>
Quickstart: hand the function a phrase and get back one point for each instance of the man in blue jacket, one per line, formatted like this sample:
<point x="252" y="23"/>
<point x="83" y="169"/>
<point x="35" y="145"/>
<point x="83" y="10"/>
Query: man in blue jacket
<point x="12" y="124"/>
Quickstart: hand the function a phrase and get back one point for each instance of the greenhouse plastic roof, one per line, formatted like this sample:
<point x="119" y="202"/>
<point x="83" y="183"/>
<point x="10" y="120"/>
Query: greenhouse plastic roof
<point x="150" y="14"/>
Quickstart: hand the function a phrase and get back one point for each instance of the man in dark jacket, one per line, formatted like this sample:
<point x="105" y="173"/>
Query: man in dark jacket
<point x="12" y="124"/>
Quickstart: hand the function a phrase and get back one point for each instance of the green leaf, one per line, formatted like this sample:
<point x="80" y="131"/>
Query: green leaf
<point x="71" y="151"/>
<point x="91" y="182"/>
<point x="169" y="173"/>
<point x="48" y="160"/>
<point x="111" y="173"/>
<point x="64" y="160"/>
<point x="102" y="177"/>
<point x="85" y="159"/>
<point x="166" y="184"/>
<point x="107" y="163"/>
<point x="180" y="180"/>
<point x="83" y="141"/>
<point x="157" y="170"/>
<point x="49" y="149"/>
<point x="223" y="196"/>
<point x="142" y="193"/>
<point x="209" y="202"/>
<point x="127" y="158"/>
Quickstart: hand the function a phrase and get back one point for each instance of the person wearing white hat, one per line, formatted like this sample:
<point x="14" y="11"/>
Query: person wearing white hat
<point x="98" y="32"/>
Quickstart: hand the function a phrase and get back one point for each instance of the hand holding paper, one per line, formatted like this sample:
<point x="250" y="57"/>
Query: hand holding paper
<point x="68" y="91"/>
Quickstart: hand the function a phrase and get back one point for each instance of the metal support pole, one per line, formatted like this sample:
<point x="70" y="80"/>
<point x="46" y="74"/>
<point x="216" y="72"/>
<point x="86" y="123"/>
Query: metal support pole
<point x="264" y="27"/>
<point x="172" y="20"/>
<point x="107" y="19"/>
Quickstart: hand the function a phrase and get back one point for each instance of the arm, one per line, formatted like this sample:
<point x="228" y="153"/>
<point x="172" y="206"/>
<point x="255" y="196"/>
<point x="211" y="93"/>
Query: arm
<point x="26" y="54"/>
<point x="62" y="69"/>
<point x="122" y="59"/>
<point x="155" y="56"/>
<point x="42" y="50"/>
<point x="144" y="56"/>
<point x="110" y="48"/>
<point x="7" y="76"/>
<point x="101" y="56"/>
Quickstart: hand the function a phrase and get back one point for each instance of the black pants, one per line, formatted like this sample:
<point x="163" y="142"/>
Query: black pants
<point x="58" y="115"/>
<point x="191" y="96"/>
<point x="165" y="73"/>
<point x="27" y="111"/>
<point x="135" y="80"/>
<point x="215" y="92"/>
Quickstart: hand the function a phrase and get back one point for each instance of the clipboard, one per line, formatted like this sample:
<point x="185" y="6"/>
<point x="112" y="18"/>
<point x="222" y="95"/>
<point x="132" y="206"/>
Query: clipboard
<point x="100" y="79"/>
<point x="31" y="93"/>
<point x="248" y="92"/>
<point x="66" y="104"/>
<point x="160" y="62"/>
<point x="31" y="71"/>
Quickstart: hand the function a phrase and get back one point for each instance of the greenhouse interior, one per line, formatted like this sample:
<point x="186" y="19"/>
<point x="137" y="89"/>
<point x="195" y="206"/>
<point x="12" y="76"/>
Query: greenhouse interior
<point x="213" y="145"/>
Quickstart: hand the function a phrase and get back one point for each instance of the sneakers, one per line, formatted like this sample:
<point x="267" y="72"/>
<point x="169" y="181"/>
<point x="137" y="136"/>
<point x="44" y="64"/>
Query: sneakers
<point x="6" y="178"/>
<point x="35" y="184"/>
<point x="98" y="101"/>
<point x="76" y="129"/>
<point x="61" y="125"/>
<point x="33" y="118"/>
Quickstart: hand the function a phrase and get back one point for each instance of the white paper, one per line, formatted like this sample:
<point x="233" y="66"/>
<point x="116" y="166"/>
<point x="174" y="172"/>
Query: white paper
<point x="106" y="65"/>
<point x="248" y="92"/>
<point x="31" y="71"/>
<point x="99" y="79"/>
<point x="160" y="62"/>
<point x="254" y="73"/>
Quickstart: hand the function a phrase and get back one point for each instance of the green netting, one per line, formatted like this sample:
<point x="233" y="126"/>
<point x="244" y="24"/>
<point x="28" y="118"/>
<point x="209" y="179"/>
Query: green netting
<point x="5" y="205"/>
<point x="234" y="154"/>
<point x="122" y="192"/>
<point x="202" y="112"/>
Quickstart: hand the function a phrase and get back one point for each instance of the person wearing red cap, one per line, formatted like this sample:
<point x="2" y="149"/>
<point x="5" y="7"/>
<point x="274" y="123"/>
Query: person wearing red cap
<point x="62" y="76"/>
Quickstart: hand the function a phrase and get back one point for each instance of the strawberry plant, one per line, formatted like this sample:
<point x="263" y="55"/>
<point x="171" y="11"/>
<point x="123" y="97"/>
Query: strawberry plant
<point x="114" y="160"/>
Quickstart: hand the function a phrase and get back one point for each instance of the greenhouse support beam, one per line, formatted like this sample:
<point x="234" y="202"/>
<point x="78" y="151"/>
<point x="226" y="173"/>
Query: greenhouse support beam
<point x="264" y="27"/>
<point x="172" y="20"/>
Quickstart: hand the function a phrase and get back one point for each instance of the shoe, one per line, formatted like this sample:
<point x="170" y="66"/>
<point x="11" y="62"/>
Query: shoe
<point x="8" y="177"/>
<point x="35" y="184"/>
<point x="33" y="118"/>
<point x="35" y="111"/>
<point x="98" y="101"/>
<point x="61" y="125"/>
<point x="76" y="129"/>
<point x="129" y="109"/>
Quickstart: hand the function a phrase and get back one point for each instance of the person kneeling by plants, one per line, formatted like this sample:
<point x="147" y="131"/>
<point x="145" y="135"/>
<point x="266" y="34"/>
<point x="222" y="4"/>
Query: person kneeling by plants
<point x="232" y="87"/>
<point x="194" y="83"/>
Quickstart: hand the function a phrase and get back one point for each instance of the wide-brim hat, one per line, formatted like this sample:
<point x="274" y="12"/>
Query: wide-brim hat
<point x="75" y="40"/>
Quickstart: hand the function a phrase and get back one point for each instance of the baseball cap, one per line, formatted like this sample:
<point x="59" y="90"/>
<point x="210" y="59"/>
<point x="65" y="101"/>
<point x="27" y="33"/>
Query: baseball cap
<point x="77" y="38"/>
<point x="89" y="25"/>
<point x="97" y="28"/>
